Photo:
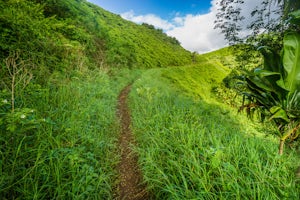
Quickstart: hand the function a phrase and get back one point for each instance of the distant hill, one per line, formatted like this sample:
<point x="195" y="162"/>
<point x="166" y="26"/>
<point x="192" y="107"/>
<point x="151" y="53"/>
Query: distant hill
<point x="75" y="34"/>
<point x="204" y="75"/>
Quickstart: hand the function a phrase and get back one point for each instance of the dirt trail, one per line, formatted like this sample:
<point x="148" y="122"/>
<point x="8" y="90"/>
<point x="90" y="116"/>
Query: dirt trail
<point x="130" y="186"/>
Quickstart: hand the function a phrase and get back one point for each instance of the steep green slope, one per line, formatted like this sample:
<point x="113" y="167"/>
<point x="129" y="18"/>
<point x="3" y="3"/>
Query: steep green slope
<point x="67" y="35"/>
<point x="207" y="73"/>
<point x="129" y="44"/>
<point x="140" y="45"/>
<point x="199" y="79"/>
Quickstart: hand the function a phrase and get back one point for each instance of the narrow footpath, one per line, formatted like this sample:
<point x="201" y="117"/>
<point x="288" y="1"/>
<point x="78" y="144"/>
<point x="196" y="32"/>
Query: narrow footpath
<point x="130" y="186"/>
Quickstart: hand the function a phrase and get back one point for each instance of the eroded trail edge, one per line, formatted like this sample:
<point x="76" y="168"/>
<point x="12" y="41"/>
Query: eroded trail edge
<point x="130" y="186"/>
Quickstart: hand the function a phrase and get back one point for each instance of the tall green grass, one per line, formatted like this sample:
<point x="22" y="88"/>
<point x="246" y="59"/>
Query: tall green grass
<point x="71" y="152"/>
<point x="194" y="149"/>
<point x="197" y="80"/>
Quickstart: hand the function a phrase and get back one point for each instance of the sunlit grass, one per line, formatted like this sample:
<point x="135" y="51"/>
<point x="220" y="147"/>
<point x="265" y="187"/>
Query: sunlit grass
<point x="192" y="149"/>
<point x="199" y="79"/>
<point x="190" y="145"/>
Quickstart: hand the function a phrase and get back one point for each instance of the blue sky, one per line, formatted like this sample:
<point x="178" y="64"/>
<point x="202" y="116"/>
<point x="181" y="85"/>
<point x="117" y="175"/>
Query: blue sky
<point x="164" y="8"/>
<point x="190" y="21"/>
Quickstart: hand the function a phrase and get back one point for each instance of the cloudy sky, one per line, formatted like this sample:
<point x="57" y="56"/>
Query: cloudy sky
<point x="190" y="21"/>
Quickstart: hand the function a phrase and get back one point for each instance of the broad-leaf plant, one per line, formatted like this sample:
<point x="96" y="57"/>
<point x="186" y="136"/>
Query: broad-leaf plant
<point x="274" y="89"/>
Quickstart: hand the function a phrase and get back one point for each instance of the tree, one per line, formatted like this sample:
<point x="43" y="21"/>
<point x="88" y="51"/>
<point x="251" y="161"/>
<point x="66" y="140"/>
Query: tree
<point x="273" y="89"/>
<point x="267" y="21"/>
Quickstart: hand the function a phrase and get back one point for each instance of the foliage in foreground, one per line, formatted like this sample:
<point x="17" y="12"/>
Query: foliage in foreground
<point x="61" y="143"/>
<point x="57" y="121"/>
<point x="197" y="150"/>
<point x="273" y="90"/>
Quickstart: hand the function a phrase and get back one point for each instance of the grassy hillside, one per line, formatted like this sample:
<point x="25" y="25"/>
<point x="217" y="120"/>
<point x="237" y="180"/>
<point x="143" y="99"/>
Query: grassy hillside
<point x="67" y="35"/>
<point x="61" y="69"/>
<point x="62" y="66"/>
<point x="193" y="146"/>
<point x="199" y="79"/>
<point x="205" y="78"/>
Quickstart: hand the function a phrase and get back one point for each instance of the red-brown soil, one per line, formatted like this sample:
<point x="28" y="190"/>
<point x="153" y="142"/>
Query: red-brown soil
<point x="130" y="185"/>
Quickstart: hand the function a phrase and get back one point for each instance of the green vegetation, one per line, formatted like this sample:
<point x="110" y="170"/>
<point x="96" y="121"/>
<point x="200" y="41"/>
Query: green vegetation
<point x="200" y="78"/>
<point x="270" y="90"/>
<point x="273" y="90"/>
<point x="62" y="66"/>
<point x="77" y="35"/>
<point x="201" y="149"/>
<point x="64" y="148"/>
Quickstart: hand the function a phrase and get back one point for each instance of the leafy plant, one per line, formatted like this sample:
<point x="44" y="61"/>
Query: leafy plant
<point x="274" y="89"/>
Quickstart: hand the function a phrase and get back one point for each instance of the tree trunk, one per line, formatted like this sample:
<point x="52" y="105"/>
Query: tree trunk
<point x="281" y="146"/>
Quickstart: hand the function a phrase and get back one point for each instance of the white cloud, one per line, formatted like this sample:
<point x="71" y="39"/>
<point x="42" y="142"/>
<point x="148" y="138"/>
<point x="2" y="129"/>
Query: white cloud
<point x="194" y="32"/>
<point x="178" y="21"/>
<point x="149" y="19"/>
<point x="198" y="34"/>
